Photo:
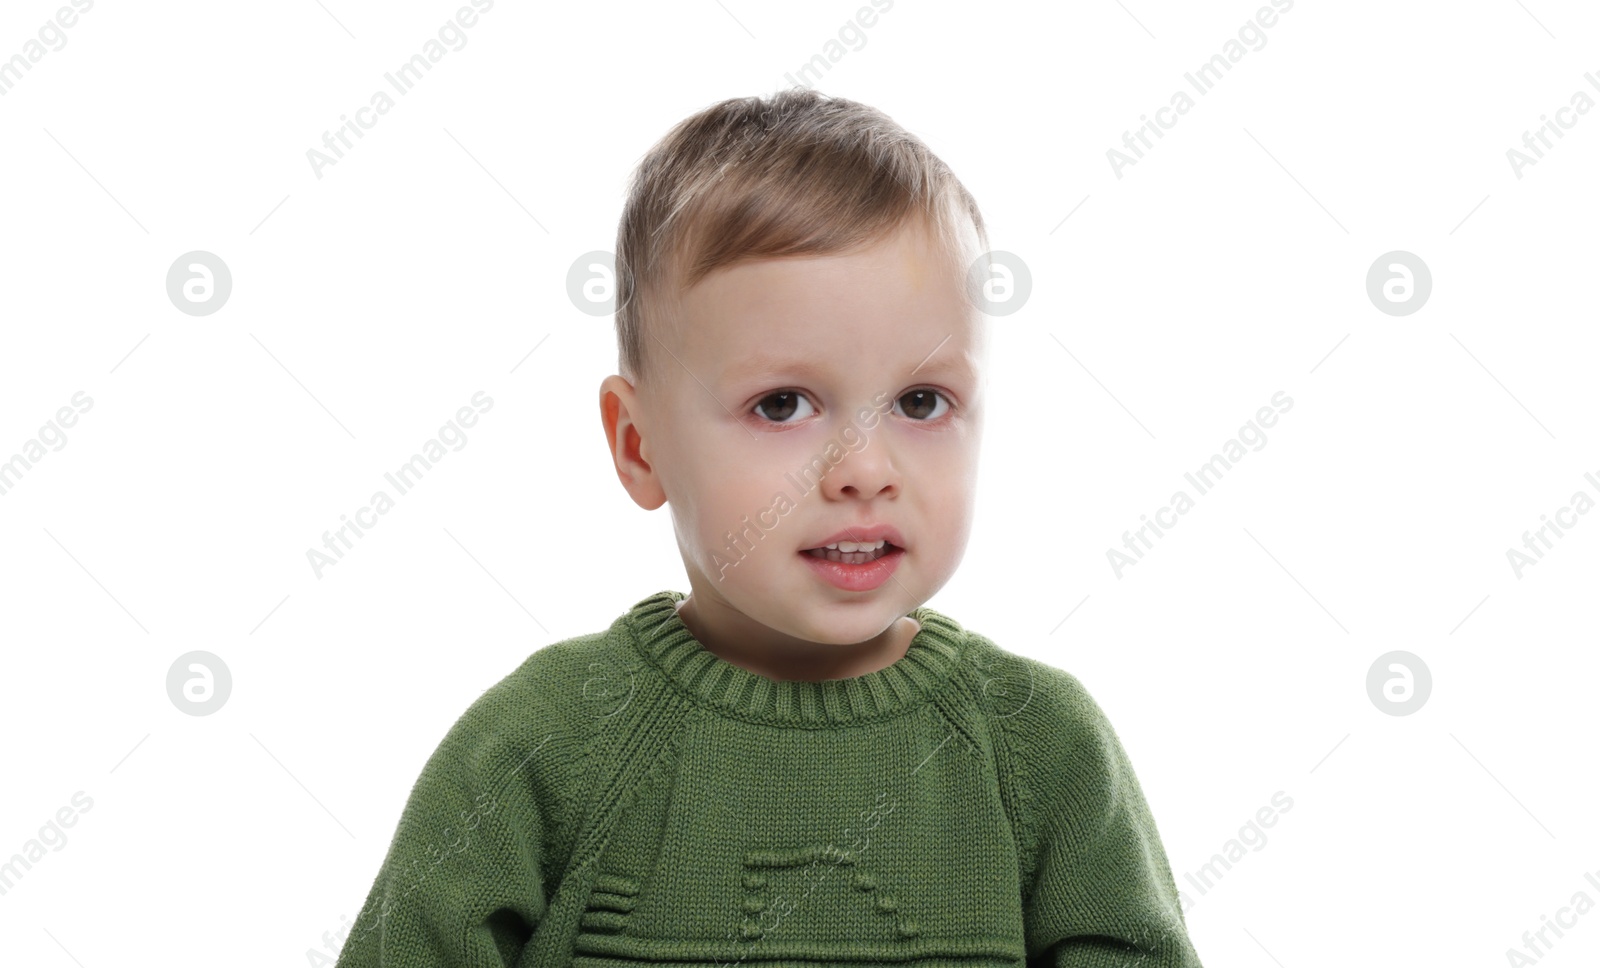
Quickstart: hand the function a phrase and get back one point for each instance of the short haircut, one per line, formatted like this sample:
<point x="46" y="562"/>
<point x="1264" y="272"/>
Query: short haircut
<point x="795" y="173"/>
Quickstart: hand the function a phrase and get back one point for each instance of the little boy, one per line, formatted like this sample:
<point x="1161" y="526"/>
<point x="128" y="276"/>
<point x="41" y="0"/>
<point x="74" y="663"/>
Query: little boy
<point x="797" y="763"/>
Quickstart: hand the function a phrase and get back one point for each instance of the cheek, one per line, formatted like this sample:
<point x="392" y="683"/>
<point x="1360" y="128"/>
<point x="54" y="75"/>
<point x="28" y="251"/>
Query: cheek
<point x="945" y="471"/>
<point x="945" y="463"/>
<point x="718" y="493"/>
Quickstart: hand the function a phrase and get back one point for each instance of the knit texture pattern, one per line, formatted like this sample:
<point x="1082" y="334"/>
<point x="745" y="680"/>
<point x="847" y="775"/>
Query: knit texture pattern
<point x="629" y="797"/>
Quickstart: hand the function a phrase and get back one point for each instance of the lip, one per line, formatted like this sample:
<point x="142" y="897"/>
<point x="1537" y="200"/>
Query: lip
<point x="869" y="533"/>
<point x="864" y="577"/>
<point x="856" y="578"/>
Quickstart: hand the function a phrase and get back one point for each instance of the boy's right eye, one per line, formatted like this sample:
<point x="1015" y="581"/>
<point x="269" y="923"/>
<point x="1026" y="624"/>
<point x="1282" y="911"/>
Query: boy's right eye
<point x="783" y="406"/>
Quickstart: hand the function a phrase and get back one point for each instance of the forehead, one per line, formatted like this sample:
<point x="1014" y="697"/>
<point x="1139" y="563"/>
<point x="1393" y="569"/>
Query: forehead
<point x="892" y="303"/>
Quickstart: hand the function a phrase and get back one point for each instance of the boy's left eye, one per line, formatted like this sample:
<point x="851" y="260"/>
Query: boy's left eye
<point x="922" y="405"/>
<point x="782" y="407"/>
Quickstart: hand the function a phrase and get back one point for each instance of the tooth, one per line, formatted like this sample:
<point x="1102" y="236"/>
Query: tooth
<point x="832" y="547"/>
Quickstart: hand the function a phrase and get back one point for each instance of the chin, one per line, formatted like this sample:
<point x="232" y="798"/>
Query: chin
<point x="847" y="624"/>
<point x="799" y="607"/>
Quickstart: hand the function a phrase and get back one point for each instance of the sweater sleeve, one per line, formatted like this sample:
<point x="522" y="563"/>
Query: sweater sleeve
<point x="462" y="884"/>
<point x="1101" y="893"/>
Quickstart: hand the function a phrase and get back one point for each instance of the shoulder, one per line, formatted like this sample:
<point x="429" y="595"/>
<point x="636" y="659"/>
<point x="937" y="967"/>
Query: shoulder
<point x="1063" y="769"/>
<point x="537" y="721"/>
<point x="1029" y="697"/>
<point x="1059" y="750"/>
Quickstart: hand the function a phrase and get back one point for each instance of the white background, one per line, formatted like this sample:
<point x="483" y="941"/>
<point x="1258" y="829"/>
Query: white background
<point x="370" y="304"/>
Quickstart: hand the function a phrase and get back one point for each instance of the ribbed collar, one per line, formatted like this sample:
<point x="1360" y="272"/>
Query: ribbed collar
<point x="667" y="644"/>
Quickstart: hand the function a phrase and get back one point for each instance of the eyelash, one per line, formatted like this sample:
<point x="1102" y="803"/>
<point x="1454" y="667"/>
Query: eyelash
<point x="945" y="398"/>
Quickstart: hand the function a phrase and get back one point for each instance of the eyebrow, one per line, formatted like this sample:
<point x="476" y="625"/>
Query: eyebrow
<point x="765" y="364"/>
<point x="946" y="362"/>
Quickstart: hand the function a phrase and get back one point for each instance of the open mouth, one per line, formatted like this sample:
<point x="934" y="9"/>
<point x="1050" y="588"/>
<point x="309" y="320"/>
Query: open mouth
<point x="853" y="552"/>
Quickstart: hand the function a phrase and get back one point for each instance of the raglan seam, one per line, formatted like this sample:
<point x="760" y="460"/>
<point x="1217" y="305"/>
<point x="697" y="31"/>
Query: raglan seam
<point x="575" y="790"/>
<point x="1017" y="795"/>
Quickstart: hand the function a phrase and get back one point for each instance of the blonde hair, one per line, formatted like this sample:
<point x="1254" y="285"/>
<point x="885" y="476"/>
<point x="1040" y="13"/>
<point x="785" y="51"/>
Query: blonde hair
<point x="796" y="173"/>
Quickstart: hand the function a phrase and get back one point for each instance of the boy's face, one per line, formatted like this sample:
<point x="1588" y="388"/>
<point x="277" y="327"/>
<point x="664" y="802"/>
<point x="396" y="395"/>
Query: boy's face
<point x="801" y="401"/>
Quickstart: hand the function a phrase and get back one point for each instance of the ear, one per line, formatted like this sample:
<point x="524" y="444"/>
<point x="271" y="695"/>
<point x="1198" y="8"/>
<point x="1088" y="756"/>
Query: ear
<point x="618" y="404"/>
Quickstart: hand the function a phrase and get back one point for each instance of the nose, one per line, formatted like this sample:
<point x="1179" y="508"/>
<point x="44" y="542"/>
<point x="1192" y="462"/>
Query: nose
<point x="865" y="473"/>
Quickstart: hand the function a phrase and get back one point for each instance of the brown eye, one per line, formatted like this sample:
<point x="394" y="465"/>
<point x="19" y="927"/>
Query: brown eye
<point x="781" y="406"/>
<point x="922" y="404"/>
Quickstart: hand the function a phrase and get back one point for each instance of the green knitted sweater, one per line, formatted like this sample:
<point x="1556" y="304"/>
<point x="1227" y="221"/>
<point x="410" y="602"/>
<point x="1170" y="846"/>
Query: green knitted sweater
<point x="629" y="797"/>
